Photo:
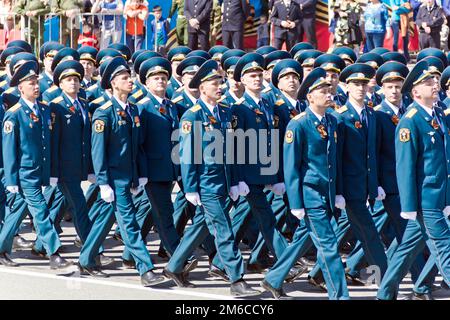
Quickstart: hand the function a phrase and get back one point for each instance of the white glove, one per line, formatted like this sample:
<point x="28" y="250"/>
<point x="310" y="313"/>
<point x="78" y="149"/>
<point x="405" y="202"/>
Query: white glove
<point x="381" y="194"/>
<point x="243" y="189"/>
<point x="234" y="193"/>
<point x="447" y="211"/>
<point x="134" y="191"/>
<point x="142" y="182"/>
<point x="298" y="213"/>
<point x="409" y="215"/>
<point x="279" y="188"/>
<point x="194" y="198"/>
<point x="92" y="178"/>
<point x="53" y="181"/>
<point x="339" y="202"/>
<point x="13" y="189"/>
<point x="107" y="193"/>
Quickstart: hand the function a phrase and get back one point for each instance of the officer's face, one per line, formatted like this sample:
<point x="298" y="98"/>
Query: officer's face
<point x="333" y="79"/>
<point x="157" y="84"/>
<point x="252" y="80"/>
<point x="29" y="89"/>
<point x="289" y="83"/>
<point x="357" y="90"/>
<point x="175" y="64"/>
<point x="306" y="71"/>
<point x="372" y="84"/>
<point x="88" y="68"/>
<point x="426" y="90"/>
<point x="393" y="91"/>
<point x="186" y="79"/>
<point x="122" y="82"/>
<point x="48" y="64"/>
<point x="321" y="97"/>
<point x="70" y="85"/>
<point x="211" y="89"/>
<point x="234" y="85"/>
<point x="268" y="75"/>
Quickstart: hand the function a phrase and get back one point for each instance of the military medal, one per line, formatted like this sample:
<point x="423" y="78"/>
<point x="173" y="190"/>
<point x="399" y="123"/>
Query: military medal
<point x="335" y="136"/>
<point x="212" y="119"/>
<point x="234" y="121"/>
<point x="431" y="134"/>
<point x="358" y="125"/>
<point x="137" y="121"/>
<point x="258" y="119"/>
<point x="34" y="117"/>
<point x="122" y="113"/>
<point x="395" y="119"/>
<point x="276" y="121"/>
<point x="72" y="109"/>
<point x="257" y="111"/>
<point x="434" y="124"/>
<point x="293" y="113"/>
<point x="162" y="110"/>
<point x="370" y="103"/>
<point x="322" y="131"/>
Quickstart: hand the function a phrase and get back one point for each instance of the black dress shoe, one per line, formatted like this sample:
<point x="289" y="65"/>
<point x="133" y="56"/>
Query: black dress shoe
<point x="421" y="296"/>
<point x="163" y="254"/>
<point x="67" y="217"/>
<point x="306" y="262"/>
<point x="117" y="237"/>
<point x="444" y="285"/>
<point x="58" y="262"/>
<point x="94" y="272"/>
<point x="6" y="260"/>
<point x="217" y="273"/>
<point x="20" y="243"/>
<point x="150" y="278"/>
<point x="40" y="254"/>
<point x="128" y="264"/>
<point x="354" y="281"/>
<point x="77" y="243"/>
<point x="277" y="294"/>
<point x="403" y="297"/>
<point x="317" y="283"/>
<point x="295" y="273"/>
<point x="240" y="288"/>
<point x="190" y="265"/>
<point x="255" y="268"/>
<point x="179" y="279"/>
<point x="103" y="261"/>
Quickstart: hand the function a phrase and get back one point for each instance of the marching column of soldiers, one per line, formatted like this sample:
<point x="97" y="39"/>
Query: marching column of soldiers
<point x="362" y="178"/>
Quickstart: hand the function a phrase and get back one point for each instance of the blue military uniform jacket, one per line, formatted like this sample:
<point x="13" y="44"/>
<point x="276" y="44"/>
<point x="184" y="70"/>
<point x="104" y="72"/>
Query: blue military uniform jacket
<point x="228" y="99"/>
<point x="183" y="103"/>
<point x="247" y="115"/>
<point x="358" y="174"/>
<point x="387" y="122"/>
<point x="116" y="154"/>
<point x="173" y="86"/>
<point x="11" y="97"/>
<point x="54" y="92"/>
<point x="26" y="145"/>
<point x="45" y="82"/>
<point x="2" y="116"/>
<point x="94" y="92"/>
<point x="310" y="161"/>
<point x="71" y="140"/>
<point x="139" y="92"/>
<point x="271" y="94"/>
<point x="158" y="125"/>
<point x="423" y="166"/>
<point x="209" y="176"/>
<point x="4" y="83"/>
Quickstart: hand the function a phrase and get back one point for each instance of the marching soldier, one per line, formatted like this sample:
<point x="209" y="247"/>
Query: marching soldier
<point x="235" y="89"/>
<point x="445" y="86"/>
<point x="333" y="65"/>
<point x="27" y="164"/>
<point x="270" y="92"/>
<point x="139" y="89"/>
<point x="375" y="61"/>
<point x="88" y="57"/>
<point x="307" y="58"/>
<point x="175" y="56"/>
<point x="234" y="15"/>
<point x="46" y="54"/>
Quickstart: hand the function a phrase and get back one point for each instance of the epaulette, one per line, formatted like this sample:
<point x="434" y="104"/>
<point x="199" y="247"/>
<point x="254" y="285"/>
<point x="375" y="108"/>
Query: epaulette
<point x="14" y="108"/>
<point x="299" y="116"/>
<point x="144" y="100"/>
<point x="411" y="113"/>
<point x="98" y="100"/>
<point x="57" y="99"/>
<point x="179" y="89"/>
<point x="380" y="91"/>
<point x="40" y="77"/>
<point x="82" y="99"/>
<point x="106" y="105"/>
<point x="91" y="88"/>
<point x="95" y="78"/>
<point x="2" y="73"/>
<point x="44" y="103"/>
<point x="378" y="107"/>
<point x="177" y="99"/>
<point x="133" y="87"/>
<point x="3" y="83"/>
<point x="137" y="94"/>
<point x="52" y="88"/>
<point x="342" y="109"/>
<point x="239" y="102"/>
<point x="224" y="86"/>
<point x="279" y="102"/>
<point x="222" y="98"/>
<point x="223" y="105"/>
<point x="266" y="90"/>
<point x="195" y="108"/>
<point x="9" y="90"/>
<point x="447" y="112"/>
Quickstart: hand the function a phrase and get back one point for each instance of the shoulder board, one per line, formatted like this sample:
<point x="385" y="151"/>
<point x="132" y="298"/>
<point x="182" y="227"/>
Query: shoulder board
<point x="299" y="116"/>
<point x="44" y="103"/>
<point x="92" y="88"/>
<point x="342" y="109"/>
<point x="2" y="73"/>
<point x="222" y="98"/>
<point x="177" y="99"/>
<point x="98" y="100"/>
<point x="133" y="87"/>
<point x="9" y="90"/>
<point x="14" y="108"/>
<point x="447" y="112"/>
<point x="378" y="107"/>
<point x="279" y="102"/>
<point x="223" y="105"/>
<point x="195" y="108"/>
<point x="144" y="100"/>
<point x="95" y="78"/>
<point x="52" y="88"/>
<point x="239" y="102"/>
<point x="137" y="94"/>
<point x="266" y="90"/>
<point x="82" y="99"/>
<point x="179" y="89"/>
<point x="380" y="91"/>
<point x="58" y="99"/>
<point x="224" y="86"/>
<point x="3" y="83"/>
<point x="106" y="105"/>
<point x="40" y="77"/>
<point x="411" y="113"/>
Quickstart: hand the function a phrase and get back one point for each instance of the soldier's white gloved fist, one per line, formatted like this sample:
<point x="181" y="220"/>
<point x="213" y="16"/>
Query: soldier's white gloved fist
<point x="279" y="188"/>
<point x="13" y="189"/>
<point x="412" y="215"/>
<point x="447" y="211"/>
<point x="194" y="198"/>
<point x="92" y="178"/>
<point x="53" y="181"/>
<point x="234" y="193"/>
<point x="142" y="182"/>
<point x="298" y="213"/>
<point x="243" y="189"/>
<point x="381" y="194"/>
<point x="339" y="202"/>
<point x="107" y="193"/>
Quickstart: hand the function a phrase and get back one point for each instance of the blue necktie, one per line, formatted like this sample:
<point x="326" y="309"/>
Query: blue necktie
<point x="364" y="120"/>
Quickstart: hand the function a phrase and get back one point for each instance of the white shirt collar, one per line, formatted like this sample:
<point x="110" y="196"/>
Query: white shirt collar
<point x="29" y="103"/>
<point x="393" y="107"/>
<point x="192" y="98"/>
<point x="317" y="115"/>
<point x="254" y="98"/>
<point x="210" y="107"/>
<point x="428" y="110"/>
<point x="293" y="102"/>
<point x="108" y="93"/>
<point x="123" y="105"/>
<point x="49" y="75"/>
<point x="176" y="80"/>
<point x="234" y="96"/>
<point x="70" y="99"/>
<point x="358" y="109"/>
<point x="160" y="101"/>
<point x="265" y="84"/>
